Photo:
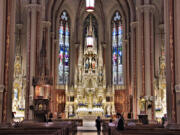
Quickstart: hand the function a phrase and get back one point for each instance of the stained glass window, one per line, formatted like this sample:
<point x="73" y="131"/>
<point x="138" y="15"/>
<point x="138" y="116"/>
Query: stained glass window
<point x="63" y="55"/>
<point x="117" y="52"/>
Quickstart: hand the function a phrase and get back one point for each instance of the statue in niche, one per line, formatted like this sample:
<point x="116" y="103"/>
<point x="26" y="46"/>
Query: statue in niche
<point x="80" y="99"/>
<point x="108" y="110"/>
<point x="162" y="69"/>
<point x="87" y="64"/>
<point x="100" y="75"/>
<point x="70" y="110"/>
<point x="90" y="63"/>
<point x="80" y="74"/>
<point x="100" y="99"/>
<point x="93" y="63"/>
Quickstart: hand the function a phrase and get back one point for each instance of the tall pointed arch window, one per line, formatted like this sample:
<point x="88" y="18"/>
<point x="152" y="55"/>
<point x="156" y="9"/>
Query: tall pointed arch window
<point x="117" y="52"/>
<point x="64" y="45"/>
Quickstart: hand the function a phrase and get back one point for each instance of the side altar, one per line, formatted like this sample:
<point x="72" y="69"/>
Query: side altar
<point x="89" y="97"/>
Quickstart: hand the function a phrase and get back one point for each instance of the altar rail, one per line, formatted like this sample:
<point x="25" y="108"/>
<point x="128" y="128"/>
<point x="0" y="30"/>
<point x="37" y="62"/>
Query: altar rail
<point x="36" y="128"/>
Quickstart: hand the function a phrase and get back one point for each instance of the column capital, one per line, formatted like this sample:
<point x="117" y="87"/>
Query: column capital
<point x="134" y="24"/>
<point x="56" y="41"/>
<point x="104" y="45"/>
<point x="76" y="44"/>
<point x="177" y="88"/>
<point x="31" y="7"/>
<point x="1" y="88"/>
<point x="19" y="26"/>
<point x="125" y="40"/>
<point x="53" y="34"/>
<point x="161" y="27"/>
<point x="46" y="24"/>
<point x="146" y="8"/>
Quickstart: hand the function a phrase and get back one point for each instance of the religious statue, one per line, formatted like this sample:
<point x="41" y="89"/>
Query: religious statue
<point x="70" y="110"/>
<point x="93" y="63"/>
<point x="100" y="75"/>
<point x="108" y="110"/>
<point x="87" y="64"/>
<point x="80" y="74"/>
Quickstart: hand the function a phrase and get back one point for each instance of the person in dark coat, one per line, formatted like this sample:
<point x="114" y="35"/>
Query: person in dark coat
<point x="98" y="125"/>
<point x="120" y="125"/>
<point x="50" y="117"/>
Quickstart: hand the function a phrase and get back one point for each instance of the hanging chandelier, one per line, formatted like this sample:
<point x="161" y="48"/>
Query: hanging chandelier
<point x="90" y="5"/>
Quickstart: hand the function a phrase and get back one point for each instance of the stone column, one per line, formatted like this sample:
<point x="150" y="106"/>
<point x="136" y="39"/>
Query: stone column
<point x="2" y="50"/>
<point x="170" y="67"/>
<point x="47" y="26"/>
<point x="147" y="49"/>
<point x="133" y="67"/>
<point x="177" y="88"/>
<point x="8" y="59"/>
<point x="52" y="42"/>
<point x="177" y="57"/>
<point x="125" y="73"/>
<point x="53" y="70"/>
<point x="147" y="77"/>
<point x="1" y="100"/>
<point x="139" y="58"/>
<point x="2" y="38"/>
<point x="31" y="56"/>
<point x="148" y="54"/>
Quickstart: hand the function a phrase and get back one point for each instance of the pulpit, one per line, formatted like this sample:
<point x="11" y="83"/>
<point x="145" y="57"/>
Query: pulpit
<point x="41" y="109"/>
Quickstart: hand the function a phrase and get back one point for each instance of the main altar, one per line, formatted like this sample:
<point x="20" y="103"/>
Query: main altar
<point x="89" y="97"/>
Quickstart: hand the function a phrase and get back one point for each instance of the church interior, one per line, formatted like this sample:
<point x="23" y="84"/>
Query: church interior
<point x="63" y="63"/>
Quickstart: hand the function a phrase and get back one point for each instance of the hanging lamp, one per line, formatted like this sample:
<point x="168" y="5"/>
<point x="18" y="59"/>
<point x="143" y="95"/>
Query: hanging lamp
<point x="90" y="5"/>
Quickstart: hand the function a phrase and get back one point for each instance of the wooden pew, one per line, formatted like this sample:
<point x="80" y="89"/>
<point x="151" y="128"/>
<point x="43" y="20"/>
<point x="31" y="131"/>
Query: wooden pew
<point x="79" y="122"/>
<point x="36" y="128"/>
<point x="139" y="130"/>
<point x="29" y="132"/>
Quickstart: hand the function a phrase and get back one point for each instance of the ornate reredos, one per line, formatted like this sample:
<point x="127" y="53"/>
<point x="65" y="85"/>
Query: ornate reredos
<point x="90" y="80"/>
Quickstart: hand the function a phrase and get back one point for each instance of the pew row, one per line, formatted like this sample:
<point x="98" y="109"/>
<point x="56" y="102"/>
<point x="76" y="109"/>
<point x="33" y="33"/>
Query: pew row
<point x="36" y="128"/>
<point x="139" y="130"/>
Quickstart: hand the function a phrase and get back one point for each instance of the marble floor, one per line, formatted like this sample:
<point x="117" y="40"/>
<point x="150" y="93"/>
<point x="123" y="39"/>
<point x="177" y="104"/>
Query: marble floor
<point x="88" y="128"/>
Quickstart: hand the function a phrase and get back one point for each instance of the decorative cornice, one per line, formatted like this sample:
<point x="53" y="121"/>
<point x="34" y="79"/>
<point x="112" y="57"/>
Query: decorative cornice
<point x="1" y="88"/>
<point x="31" y="7"/>
<point x="146" y="8"/>
<point x="46" y="24"/>
<point x="177" y="88"/>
